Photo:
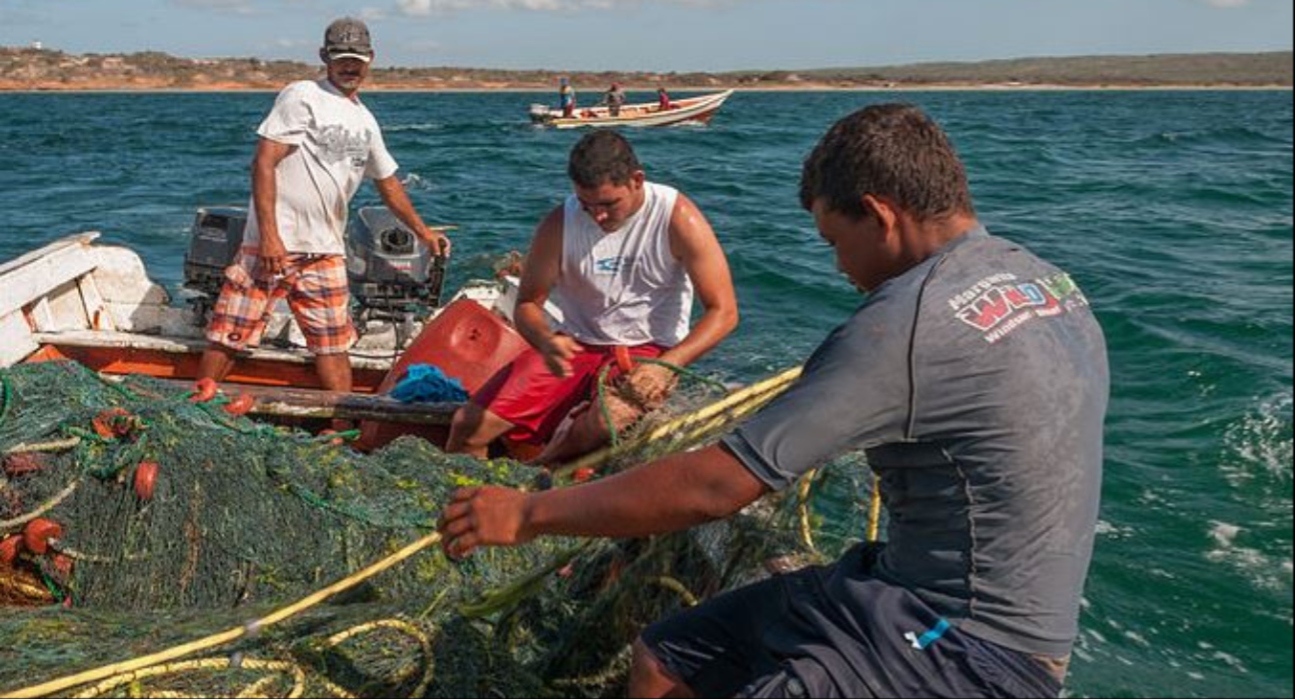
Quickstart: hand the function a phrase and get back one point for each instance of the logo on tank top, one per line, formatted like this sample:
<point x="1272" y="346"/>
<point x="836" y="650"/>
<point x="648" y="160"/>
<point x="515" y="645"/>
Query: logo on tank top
<point x="1000" y="304"/>
<point x="612" y="265"/>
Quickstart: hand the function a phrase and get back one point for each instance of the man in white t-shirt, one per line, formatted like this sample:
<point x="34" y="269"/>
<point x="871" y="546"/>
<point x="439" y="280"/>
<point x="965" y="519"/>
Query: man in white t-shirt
<point x="317" y="145"/>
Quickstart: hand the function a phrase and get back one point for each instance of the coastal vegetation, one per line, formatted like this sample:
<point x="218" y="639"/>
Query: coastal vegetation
<point x="43" y="69"/>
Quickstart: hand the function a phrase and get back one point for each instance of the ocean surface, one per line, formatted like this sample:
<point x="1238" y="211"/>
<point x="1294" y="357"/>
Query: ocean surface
<point x="1172" y="210"/>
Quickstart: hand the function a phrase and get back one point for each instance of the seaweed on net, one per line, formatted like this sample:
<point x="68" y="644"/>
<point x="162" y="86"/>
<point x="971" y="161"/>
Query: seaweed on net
<point x="243" y="517"/>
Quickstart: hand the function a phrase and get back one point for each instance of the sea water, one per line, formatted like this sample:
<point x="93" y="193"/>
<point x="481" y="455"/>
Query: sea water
<point x="1171" y="209"/>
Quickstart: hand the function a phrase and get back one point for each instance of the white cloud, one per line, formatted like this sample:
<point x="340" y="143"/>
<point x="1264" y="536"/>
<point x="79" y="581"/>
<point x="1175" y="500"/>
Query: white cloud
<point x="1225" y="4"/>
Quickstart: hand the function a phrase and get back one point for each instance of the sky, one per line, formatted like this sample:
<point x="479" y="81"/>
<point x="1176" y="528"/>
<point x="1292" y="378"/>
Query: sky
<point x="656" y="35"/>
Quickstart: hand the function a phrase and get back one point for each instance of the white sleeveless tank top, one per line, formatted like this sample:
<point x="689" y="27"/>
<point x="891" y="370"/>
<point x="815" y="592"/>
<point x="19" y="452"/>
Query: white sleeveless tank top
<point x="624" y="287"/>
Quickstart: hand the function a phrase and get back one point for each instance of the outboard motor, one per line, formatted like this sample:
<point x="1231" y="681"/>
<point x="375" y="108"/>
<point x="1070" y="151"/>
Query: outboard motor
<point x="393" y="276"/>
<point x="214" y="240"/>
<point x="392" y="273"/>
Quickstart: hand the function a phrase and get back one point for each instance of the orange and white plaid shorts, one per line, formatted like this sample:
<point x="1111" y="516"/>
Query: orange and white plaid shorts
<point x="317" y="292"/>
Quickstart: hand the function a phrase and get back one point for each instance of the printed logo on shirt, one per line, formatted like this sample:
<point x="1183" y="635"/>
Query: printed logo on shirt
<point x="999" y="304"/>
<point x="611" y="265"/>
<point x="337" y="144"/>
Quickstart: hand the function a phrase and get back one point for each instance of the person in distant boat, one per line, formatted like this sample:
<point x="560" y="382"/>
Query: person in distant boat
<point x="566" y="98"/>
<point x="316" y="146"/>
<point x="663" y="102"/>
<point x="623" y="258"/>
<point x="614" y="99"/>
<point x="974" y="377"/>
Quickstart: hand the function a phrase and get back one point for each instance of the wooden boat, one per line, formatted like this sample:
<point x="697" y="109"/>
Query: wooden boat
<point x="79" y="300"/>
<point x="689" y="110"/>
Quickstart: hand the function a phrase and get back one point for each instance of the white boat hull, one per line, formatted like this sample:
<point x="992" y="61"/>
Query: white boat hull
<point x="691" y="110"/>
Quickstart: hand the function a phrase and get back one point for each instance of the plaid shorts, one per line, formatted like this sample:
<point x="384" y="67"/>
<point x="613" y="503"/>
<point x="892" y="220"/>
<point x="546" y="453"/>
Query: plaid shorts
<point x="317" y="293"/>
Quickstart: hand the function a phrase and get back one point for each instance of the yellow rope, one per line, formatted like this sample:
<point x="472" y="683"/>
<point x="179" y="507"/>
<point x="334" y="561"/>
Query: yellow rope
<point x="56" y="445"/>
<point x="298" y="675"/>
<point x="424" y="644"/>
<point x="11" y="524"/>
<point x="700" y="422"/>
<point x="673" y="584"/>
<point x="806" y="526"/>
<point x="874" y="509"/>
<point x="739" y="403"/>
<point x="229" y="635"/>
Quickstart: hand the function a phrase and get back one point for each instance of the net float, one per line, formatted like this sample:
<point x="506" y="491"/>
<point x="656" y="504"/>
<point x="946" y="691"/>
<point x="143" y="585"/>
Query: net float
<point x="145" y="479"/>
<point x="9" y="549"/>
<point x="204" y="389"/>
<point x="240" y="405"/>
<point x="38" y="532"/>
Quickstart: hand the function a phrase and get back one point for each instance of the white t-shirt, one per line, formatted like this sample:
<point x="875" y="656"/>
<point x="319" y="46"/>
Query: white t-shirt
<point x="338" y="144"/>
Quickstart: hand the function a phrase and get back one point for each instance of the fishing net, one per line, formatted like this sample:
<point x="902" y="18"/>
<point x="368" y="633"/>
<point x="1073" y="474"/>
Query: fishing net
<point x="133" y="520"/>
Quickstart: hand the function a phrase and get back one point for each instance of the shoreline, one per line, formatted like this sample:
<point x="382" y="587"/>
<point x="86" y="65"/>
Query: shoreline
<point x="933" y="87"/>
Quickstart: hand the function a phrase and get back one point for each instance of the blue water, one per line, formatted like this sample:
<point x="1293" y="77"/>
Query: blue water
<point x="1173" y="210"/>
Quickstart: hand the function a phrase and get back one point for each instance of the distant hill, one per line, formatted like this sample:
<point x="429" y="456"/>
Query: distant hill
<point x="38" y="69"/>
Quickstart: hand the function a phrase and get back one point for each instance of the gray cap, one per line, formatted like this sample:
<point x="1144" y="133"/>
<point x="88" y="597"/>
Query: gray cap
<point x="348" y="38"/>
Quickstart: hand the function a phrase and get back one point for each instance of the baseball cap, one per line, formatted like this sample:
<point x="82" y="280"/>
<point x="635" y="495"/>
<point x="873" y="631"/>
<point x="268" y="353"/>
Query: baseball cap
<point x="348" y="38"/>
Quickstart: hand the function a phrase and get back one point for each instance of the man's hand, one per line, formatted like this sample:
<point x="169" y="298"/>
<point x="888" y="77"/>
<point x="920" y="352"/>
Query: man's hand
<point x="558" y="350"/>
<point x="483" y="516"/>
<point x="272" y="257"/>
<point x="436" y="241"/>
<point x="651" y="384"/>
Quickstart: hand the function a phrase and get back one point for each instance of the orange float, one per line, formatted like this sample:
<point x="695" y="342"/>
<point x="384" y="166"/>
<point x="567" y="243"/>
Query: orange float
<point x="37" y="534"/>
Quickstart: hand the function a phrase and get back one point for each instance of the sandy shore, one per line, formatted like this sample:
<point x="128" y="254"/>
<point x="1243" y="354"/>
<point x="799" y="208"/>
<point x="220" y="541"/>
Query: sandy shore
<point x="438" y="86"/>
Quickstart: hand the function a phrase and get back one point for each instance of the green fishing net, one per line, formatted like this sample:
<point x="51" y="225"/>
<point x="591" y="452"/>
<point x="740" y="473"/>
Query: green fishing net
<point x="140" y="520"/>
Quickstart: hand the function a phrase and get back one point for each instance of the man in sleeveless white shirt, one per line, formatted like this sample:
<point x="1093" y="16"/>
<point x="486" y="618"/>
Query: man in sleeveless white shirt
<point x="317" y="145"/>
<point x="623" y="259"/>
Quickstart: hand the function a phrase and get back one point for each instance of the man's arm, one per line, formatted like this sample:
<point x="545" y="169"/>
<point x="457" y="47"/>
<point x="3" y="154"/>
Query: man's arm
<point x="693" y="243"/>
<point x="539" y="274"/>
<point x="265" y="195"/>
<point x="671" y="494"/>
<point x="397" y="200"/>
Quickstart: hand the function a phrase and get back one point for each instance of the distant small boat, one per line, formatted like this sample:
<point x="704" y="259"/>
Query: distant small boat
<point x="692" y="109"/>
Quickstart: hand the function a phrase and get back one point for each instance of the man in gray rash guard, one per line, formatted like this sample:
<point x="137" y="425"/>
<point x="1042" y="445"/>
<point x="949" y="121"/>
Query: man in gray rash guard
<point x="975" y="378"/>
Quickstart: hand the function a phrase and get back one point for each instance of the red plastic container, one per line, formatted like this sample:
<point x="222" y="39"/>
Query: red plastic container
<point x="467" y="342"/>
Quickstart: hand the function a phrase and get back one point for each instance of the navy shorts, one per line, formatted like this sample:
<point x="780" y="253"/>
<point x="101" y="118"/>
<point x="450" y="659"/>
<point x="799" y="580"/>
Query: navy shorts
<point x="833" y="631"/>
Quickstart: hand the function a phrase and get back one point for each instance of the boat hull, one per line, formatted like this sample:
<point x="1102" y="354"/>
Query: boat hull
<point x="74" y="300"/>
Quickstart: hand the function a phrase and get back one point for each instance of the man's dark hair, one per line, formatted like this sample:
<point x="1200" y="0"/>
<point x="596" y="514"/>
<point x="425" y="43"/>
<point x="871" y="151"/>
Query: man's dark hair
<point x="602" y="156"/>
<point x="890" y="150"/>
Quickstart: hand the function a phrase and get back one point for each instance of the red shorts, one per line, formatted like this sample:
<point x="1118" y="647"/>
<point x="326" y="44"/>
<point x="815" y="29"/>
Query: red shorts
<point x="317" y="292"/>
<point x="529" y="396"/>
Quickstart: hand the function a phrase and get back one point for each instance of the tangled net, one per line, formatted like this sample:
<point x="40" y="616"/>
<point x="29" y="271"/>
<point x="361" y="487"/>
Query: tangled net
<point x="133" y="520"/>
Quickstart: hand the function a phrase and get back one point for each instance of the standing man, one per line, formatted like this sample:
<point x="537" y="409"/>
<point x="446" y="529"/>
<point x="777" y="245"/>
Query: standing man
<point x="614" y="99"/>
<point x="974" y="376"/>
<point x="625" y="257"/>
<point x="317" y="145"/>
<point x="566" y="97"/>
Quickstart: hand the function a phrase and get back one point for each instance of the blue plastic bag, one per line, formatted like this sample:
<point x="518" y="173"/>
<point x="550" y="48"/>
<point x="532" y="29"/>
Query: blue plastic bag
<point x="426" y="383"/>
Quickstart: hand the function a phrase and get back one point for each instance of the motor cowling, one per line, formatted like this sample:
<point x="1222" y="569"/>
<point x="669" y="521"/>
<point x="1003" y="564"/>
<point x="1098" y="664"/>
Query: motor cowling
<point x="214" y="240"/>
<point x="390" y="270"/>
